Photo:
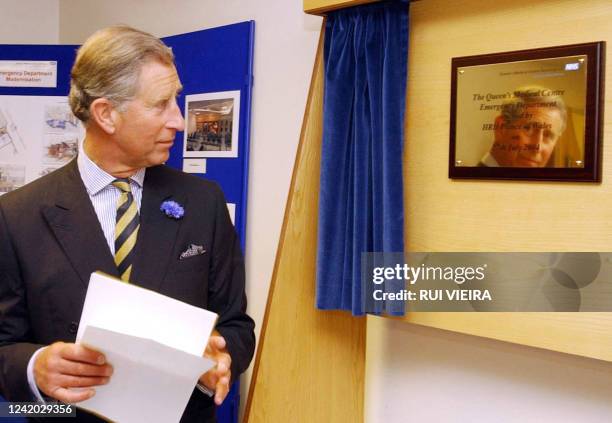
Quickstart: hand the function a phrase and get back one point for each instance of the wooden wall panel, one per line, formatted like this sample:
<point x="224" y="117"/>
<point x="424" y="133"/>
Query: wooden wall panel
<point x="321" y="7"/>
<point x="447" y="215"/>
<point x="310" y="364"/>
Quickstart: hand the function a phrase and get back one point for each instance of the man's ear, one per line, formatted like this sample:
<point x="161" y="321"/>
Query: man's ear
<point x="103" y="113"/>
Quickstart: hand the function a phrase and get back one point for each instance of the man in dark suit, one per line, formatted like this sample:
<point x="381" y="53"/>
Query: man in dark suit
<point x="103" y="212"/>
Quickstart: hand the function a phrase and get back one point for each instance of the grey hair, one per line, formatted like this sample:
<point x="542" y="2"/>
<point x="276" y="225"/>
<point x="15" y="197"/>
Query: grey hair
<point x="533" y="96"/>
<point x="108" y="66"/>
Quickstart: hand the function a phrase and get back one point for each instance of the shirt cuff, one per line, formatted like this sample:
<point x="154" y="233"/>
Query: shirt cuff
<point x="33" y="388"/>
<point x="205" y="390"/>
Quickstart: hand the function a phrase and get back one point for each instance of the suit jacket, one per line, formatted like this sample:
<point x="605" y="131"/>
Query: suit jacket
<point x="51" y="241"/>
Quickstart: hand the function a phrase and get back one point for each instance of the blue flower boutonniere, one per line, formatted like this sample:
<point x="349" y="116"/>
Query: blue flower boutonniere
<point x="172" y="209"/>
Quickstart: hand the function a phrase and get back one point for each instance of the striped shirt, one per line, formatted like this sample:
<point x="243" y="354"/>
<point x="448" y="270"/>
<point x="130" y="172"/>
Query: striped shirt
<point x="104" y="196"/>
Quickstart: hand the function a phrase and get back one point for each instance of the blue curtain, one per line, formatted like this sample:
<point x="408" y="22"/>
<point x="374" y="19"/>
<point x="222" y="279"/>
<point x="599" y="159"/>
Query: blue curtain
<point x="361" y="193"/>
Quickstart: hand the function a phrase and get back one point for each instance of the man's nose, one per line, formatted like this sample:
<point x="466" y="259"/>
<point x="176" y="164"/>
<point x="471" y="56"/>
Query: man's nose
<point x="175" y="120"/>
<point x="536" y="137"/>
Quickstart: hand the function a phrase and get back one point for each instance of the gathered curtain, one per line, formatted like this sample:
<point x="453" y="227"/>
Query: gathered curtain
<point x="361" y="206"/>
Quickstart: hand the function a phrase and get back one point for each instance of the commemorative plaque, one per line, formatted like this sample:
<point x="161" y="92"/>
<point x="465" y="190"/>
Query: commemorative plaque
<point x="530" y="114"/>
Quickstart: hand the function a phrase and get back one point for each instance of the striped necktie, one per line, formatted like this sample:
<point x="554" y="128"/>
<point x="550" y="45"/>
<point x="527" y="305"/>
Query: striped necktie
<point x="126" y="229"/>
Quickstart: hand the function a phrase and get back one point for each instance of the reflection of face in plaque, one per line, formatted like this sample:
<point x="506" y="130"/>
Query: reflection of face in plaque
<point x="528" y="129"/>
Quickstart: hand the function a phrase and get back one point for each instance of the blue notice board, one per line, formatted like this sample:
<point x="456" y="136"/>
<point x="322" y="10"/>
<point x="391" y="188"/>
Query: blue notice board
<point x="213" y="60"/>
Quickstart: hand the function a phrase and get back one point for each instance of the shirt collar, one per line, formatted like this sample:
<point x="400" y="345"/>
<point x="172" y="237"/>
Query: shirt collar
<point x="489" y="161"/>
<point x="96" y="179"/>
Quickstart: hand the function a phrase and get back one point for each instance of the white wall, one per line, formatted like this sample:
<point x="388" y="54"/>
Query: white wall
<point x="29" y="22"/>
<point x="285" y="46"/>
<point x="420" y="374"/>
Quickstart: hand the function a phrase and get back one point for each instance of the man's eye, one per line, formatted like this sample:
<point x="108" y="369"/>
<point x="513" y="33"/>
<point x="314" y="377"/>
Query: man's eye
<point x="162" y="105"/>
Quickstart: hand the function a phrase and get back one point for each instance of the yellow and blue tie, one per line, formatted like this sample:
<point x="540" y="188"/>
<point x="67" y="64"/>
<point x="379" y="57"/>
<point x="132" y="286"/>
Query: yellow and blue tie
<point x="126" y="229"/>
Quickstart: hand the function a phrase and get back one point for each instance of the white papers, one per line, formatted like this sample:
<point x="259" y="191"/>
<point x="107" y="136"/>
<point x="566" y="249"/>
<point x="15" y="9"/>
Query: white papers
<point x="151" y="382"/>
<point x="131" y="310"/>
<point x="154" y="343"/>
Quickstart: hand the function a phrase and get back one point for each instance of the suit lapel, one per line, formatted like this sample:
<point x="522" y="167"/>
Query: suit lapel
<point x="157" y="233"/>
<point x="74" y="222"/>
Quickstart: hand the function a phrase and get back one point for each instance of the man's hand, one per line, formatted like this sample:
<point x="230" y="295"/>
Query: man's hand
<point x="61" y="366"/>
<point x="217" y="378"/>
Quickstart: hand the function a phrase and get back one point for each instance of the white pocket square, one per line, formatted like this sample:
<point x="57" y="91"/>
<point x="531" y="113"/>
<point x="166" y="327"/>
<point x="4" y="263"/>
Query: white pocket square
<point x="192" y="250"/>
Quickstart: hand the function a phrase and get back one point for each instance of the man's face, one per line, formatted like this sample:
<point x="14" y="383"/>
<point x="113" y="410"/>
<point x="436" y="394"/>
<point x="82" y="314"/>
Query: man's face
<point x="528" y="141"/>
<point x="146" y="129"/>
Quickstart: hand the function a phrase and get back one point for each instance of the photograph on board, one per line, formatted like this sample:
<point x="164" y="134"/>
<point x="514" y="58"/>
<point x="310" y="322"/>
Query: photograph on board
<point x="60" y="148"/>
<point x="59" y="119"/>
<point x="212" y="124"/>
